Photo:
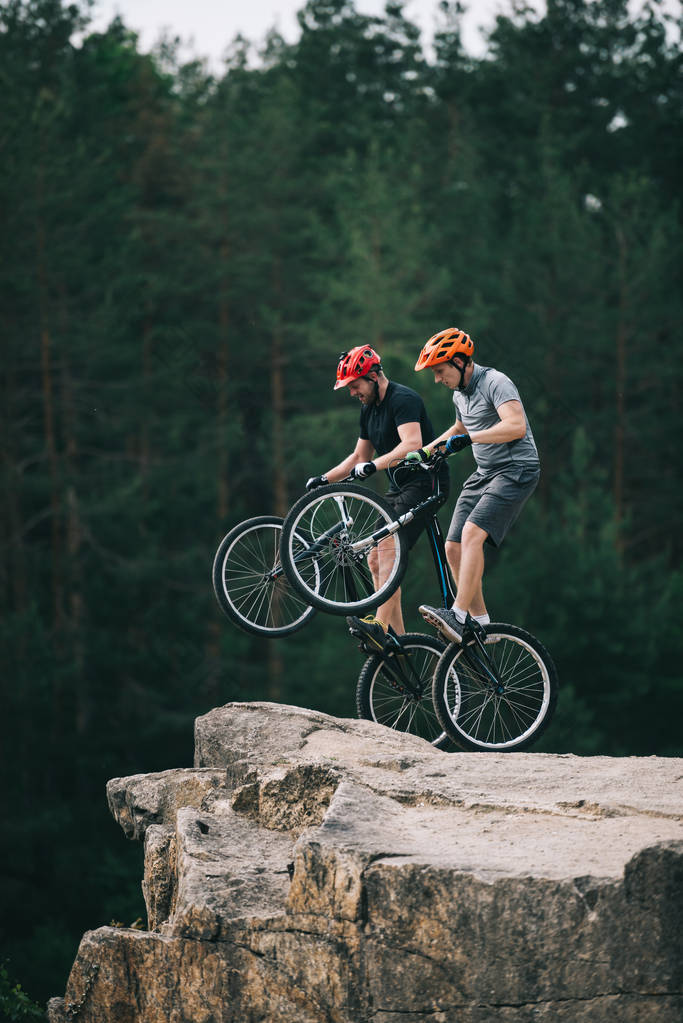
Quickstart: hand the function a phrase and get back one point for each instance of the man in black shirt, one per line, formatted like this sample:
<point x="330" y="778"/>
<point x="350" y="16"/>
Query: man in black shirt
<point x="393" y="421"/>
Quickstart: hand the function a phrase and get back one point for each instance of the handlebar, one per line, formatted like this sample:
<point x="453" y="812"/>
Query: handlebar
<point x="431" y="464"/>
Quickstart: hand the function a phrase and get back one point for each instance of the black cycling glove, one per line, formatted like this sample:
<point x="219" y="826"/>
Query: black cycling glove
<point x="457" y="443"/>
<point x="316" y="481"/>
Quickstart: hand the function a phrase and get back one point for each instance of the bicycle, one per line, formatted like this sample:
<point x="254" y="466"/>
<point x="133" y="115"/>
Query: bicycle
<point x="495" y="691"/>
<point x="485" y="699"/>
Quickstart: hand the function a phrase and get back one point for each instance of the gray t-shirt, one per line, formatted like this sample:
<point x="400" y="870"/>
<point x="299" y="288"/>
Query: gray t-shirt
<point x="476" y="407"/>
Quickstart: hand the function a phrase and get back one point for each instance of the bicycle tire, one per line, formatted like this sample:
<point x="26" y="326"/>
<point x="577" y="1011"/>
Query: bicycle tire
<point x="478" y="718"/>
<point x="382" y="696"/>
<point x="344" y="583"/>
<point x="245" y="580"/>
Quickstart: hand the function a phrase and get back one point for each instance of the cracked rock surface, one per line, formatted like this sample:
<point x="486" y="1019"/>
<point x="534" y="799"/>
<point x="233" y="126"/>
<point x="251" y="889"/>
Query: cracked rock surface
<point x="310" y="868"/>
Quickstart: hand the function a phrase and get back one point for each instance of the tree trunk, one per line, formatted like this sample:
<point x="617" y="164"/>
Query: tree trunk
<point x="222" y="396"/>
<point x="277" y="398"/>
<point x="47" y="385"/>
<point x="74" y="537"/>
<point x="620" y="389"/>
<point x="144" y="444"/>
<point x="12" y="539"/>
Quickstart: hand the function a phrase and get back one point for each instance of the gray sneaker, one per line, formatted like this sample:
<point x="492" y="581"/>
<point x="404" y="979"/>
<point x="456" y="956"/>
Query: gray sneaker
<point x="445" y="620"/>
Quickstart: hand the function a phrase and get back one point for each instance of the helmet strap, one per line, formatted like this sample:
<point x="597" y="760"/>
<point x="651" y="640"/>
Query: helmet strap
<point x="454" y="364"/>
<point x="377" y="370"/>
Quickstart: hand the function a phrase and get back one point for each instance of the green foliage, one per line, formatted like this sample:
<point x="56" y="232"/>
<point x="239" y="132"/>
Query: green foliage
<point x="183" y="257"/>
<point x="15" y="1004"/>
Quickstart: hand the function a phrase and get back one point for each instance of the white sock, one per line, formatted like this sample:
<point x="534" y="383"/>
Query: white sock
<point x="482" y="619"/>
<point x="459" y="613"/>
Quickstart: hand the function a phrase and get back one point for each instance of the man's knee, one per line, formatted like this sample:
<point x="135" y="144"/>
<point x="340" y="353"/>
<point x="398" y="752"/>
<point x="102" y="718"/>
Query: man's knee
<point x="473" y="536"/>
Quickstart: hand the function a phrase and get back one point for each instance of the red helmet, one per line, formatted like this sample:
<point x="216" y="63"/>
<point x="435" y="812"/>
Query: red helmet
<point x="444" y="346"/>
<point x="355" y="364"/>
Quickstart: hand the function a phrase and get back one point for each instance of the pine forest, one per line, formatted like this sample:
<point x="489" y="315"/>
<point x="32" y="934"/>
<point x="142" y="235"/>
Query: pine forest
<point x="184" y="255"/>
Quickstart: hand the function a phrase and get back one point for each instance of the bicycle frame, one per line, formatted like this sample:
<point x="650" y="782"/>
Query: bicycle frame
<point x="436" y="544"/>
<point x="438" y="549"/>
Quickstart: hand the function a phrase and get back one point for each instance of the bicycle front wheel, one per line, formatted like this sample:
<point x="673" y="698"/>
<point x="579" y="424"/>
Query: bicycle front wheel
<point x="396" y="689"/>
<point x="502" y="700"/>
<point x="334" y="529"/>
<point x="249" y="582"/>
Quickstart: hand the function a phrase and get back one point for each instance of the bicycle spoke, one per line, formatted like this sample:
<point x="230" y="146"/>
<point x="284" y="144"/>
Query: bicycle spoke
<point x="249" y="582"/>
<point x="395" y="721"/>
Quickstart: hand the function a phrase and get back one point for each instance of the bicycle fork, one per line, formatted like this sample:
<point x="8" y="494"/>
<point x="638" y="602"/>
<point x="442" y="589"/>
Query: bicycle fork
<point x="407" y="683"/>
<point x="481" y="662"/>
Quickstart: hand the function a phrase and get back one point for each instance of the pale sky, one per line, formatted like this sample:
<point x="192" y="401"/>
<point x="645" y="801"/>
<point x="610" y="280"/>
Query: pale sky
<point x="207" y="27"/>
<point x="210" y="25"/>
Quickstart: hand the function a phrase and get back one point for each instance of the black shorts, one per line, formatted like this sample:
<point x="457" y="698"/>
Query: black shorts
<point x="406" y="498"/>
<point x="493" y="502"/>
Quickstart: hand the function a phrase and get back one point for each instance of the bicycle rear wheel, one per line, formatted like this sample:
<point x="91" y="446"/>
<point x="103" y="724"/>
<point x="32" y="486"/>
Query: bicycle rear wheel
<point x="507" y="712"/>
<point x="332" y="528"/>
<point x="249" y="582"/>
<point x="396" y="690"/>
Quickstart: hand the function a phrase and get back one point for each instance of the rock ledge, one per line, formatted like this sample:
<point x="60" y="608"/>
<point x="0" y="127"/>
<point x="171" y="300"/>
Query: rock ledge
<point x="312" y="869"/>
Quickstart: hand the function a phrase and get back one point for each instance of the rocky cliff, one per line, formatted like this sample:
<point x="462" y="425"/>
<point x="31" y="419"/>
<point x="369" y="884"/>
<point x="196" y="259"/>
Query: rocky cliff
<point x="310" y="869"/>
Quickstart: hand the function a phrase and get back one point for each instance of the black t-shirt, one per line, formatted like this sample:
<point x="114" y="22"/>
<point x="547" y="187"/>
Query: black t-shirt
<point x="379" y="423"/>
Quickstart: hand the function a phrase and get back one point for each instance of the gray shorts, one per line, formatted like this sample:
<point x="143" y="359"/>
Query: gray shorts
<point x="493" y="502"/>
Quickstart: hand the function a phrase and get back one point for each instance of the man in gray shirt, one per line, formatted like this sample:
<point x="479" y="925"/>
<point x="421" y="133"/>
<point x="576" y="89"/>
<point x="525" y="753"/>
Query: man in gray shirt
<point x="490" y="417"/>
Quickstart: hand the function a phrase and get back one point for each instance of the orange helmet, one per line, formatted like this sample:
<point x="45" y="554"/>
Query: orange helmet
<point x="444" y="346"/>
<point x="355" y="364"/>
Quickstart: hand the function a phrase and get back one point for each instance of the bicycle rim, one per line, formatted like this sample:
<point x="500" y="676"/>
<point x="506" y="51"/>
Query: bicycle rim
<point x="251" y="586"/>
<point x="337" y="523"/>
<point x="396" y="691"/>
<point x="480" y="715"/>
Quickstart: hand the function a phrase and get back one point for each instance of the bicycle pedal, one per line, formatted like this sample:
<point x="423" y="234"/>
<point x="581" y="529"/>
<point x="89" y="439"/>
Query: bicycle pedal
<point x="367" y="643"/>
<point x="362" y="642"/>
